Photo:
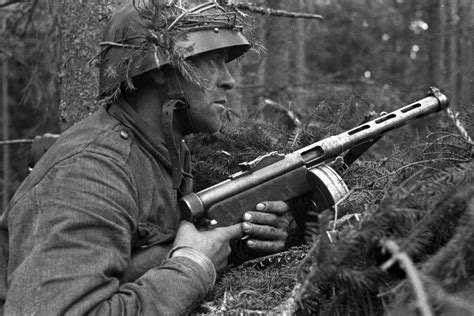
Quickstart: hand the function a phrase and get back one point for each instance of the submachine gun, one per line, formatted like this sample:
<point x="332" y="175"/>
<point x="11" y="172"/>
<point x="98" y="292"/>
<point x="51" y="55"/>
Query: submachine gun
<point x="305" y="171"/>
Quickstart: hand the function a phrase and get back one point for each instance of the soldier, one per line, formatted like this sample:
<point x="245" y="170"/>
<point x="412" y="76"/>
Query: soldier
<point x="95" y="228"/>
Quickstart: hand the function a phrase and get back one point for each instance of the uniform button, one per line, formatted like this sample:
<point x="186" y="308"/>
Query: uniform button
<point x="124" y="134"/>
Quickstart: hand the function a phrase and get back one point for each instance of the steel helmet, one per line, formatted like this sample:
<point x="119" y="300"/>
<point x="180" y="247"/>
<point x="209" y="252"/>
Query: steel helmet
<point x="149" y="34"/>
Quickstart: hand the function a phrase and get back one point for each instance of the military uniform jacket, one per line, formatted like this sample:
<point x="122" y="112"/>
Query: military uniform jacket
<point x="100" y="195"/>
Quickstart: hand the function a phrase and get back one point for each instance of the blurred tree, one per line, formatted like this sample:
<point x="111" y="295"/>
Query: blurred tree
<point x="436" y="43"/>
<point x="388" y="51"/>
<point x="30" y="49"/>
<point x="297" y="50"/>
<point x="453" y="71"/>
<point x="451" y="55"/>
<point x="466" y="56"/>
<point x="277" y="70"/>
<point x="5" y="131"/>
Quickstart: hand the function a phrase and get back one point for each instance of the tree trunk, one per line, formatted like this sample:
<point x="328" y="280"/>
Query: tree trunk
<point x="466" y="56"/>
<point x="263" y="64"/>
<point x="442" y="45"/>
<point x="56" y="9"/>
<point x="51" y="59"/>
<point x="298" y="49"/>
<point x="277" y="66"/>
<point x="83" y="23"/>
<point x="5" y="135"/>
<point x="453" y="69"/>
<point x="434" y="71"/>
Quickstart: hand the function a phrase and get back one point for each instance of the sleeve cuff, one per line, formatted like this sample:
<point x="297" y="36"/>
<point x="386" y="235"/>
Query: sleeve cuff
<point x="198" y="257"/>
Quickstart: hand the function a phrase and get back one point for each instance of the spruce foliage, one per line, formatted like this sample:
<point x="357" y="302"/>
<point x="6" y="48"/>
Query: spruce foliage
<point x="217" y="156"/>
<point x="419" y="198"/>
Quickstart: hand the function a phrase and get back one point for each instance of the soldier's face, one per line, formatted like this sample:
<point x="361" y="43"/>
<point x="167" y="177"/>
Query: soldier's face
<point x="207" y="104"/>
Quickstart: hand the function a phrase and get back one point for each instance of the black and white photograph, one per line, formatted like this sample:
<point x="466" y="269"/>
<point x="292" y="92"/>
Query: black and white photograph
<point x="237" y="157"/>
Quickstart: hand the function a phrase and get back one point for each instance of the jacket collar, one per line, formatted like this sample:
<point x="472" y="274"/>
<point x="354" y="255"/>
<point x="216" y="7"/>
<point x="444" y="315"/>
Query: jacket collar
<point x="148" y="136"/>
<point x="152" y="140"/>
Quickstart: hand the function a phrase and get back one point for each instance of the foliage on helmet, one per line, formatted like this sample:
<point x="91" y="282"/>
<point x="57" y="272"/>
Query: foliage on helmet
<point x="155" y="35"/>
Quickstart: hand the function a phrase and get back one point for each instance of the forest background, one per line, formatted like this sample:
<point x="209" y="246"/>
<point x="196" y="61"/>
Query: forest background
<point x="384" y="53"/>
<point x="318" y="77"/>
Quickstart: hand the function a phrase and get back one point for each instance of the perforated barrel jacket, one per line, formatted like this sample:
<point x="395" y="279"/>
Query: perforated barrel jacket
<point x="100" y="195"/>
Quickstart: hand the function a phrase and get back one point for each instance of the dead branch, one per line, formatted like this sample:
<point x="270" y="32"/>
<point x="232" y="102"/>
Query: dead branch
<point x="336" y="209"/>
<point x="8" y="3"/>
<point x="15" y="141"/>
<point x="275" y="12"/>
<point x="407" y="265"/>
<point x="448" y="299"/>
<point x="454" y="116"/>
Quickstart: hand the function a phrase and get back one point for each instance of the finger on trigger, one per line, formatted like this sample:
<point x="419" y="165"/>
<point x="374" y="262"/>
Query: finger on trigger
<point x="276" y="207"/>
<point x="246" y="227"/>
<point x="234" y="231"/>
<point x="263" y="218"/>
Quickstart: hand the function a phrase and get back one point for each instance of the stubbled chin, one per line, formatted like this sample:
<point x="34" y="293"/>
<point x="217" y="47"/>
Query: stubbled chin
<point x="209" y="119"/>
<point x="210" y="123"/>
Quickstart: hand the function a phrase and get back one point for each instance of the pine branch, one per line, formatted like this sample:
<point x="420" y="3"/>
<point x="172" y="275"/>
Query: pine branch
<point x="454" y="261"/>
<point x="401" y="200"/>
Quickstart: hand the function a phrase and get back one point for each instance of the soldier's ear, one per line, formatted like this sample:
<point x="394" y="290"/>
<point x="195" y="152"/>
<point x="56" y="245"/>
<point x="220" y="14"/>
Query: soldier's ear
<point x="158" y="76"/>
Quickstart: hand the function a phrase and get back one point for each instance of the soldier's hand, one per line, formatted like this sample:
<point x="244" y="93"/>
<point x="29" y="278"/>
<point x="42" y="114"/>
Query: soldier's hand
<point x="213" y="243"/>
<point x="266" y="227"/>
